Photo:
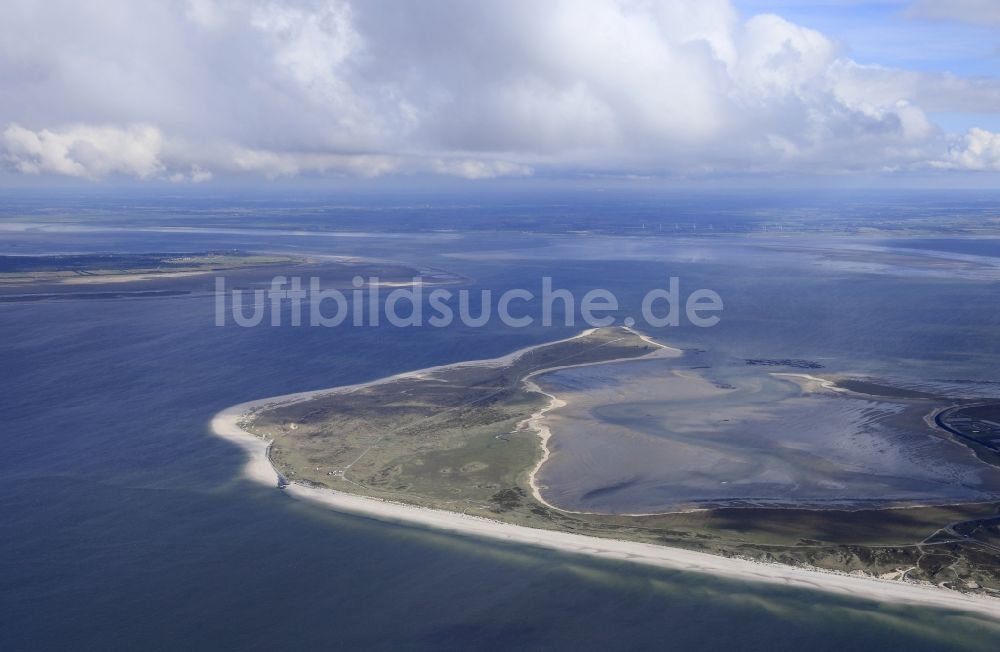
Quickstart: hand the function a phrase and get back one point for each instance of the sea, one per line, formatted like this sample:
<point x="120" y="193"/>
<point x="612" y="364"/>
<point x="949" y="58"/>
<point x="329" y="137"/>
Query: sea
<point x="125" y="525"/>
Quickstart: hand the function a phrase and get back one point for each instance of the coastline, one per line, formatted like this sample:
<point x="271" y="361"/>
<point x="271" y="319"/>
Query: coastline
<point x="227" y="424"/>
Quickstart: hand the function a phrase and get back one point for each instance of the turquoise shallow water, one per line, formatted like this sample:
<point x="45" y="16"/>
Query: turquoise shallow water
<point x="124" y="524"/>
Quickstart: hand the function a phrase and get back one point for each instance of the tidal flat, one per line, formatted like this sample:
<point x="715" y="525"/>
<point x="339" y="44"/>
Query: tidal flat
<point x="651" y="436"/>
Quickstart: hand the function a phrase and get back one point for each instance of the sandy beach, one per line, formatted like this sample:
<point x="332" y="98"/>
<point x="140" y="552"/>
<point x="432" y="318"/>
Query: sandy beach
<point x="228" y="425"/>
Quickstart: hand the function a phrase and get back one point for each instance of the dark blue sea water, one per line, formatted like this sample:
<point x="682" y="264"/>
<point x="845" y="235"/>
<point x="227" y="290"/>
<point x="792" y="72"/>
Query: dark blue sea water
<point x="125" y="525"/>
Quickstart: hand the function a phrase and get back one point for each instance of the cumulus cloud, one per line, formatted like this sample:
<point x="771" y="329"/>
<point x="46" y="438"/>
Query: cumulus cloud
<point x="85" y="151"/>
<point x="476" y="90"/>
<point x="978" y="150"/>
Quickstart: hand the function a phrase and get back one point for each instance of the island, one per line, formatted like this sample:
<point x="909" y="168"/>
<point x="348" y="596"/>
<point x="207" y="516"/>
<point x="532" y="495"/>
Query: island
<point x="612" y="444"/>
<point x="182" y="273"/>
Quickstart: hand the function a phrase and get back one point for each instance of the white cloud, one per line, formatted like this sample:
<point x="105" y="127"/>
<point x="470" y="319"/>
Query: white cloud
<point x="477" y="169"/>
<point x="85" y="151"/>
<point x="978" y="150"/>
<point x="476" y="90"/>
<point x="196" y="175"/>
<point x="285" y="164"/>
<point x="856" y="84"/>
<point x="310" y="46"/>
<point x="778" y="59"/>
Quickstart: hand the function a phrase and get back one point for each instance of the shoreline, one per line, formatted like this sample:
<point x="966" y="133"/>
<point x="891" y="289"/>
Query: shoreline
<point x="227" y="424"/>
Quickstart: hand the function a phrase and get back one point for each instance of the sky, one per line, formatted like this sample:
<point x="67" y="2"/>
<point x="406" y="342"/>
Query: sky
<point x="260" y="91"/>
